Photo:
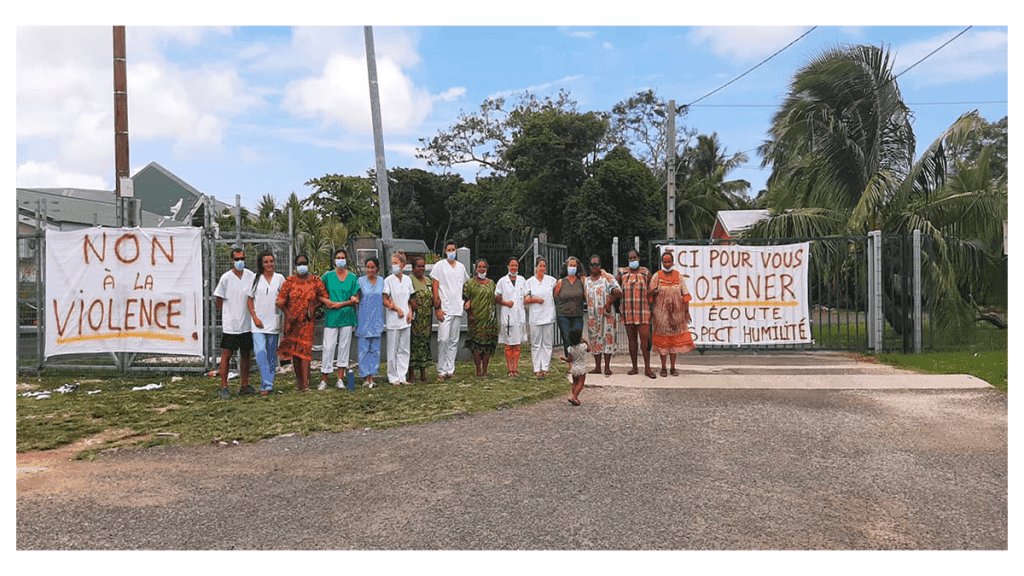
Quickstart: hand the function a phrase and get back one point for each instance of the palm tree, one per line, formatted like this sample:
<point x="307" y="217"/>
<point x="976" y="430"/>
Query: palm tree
<point x="842" y="147"/>
<point x="702" y="189"/>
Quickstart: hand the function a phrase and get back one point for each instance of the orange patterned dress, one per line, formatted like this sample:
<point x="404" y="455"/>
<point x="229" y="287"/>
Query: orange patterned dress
<point x="670" y="334"/>
<point x="299" y="298"/>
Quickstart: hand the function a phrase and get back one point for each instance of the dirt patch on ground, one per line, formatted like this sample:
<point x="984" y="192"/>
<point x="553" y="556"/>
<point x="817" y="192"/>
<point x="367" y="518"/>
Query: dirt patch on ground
<point x="57" y="471"/>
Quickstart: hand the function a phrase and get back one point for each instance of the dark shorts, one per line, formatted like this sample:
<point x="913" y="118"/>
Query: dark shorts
<point x="242" y="342"/>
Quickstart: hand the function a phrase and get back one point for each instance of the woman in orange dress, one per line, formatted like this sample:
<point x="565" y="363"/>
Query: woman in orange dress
<point x="299" y="298"/>
<point x="670" y="314"/>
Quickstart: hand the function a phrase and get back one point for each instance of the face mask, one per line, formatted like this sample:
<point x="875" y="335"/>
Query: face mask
<point x="667" y="267"/>
<point x="511" y="274"/>
<point x="302" y="269"/>
<point x="340" y="263"/>
<point x="395" y="269"/>
<point x="571" y="270"/>
<point x="452" y="255"/>
<point x="240" y="265"/>
<point x="482" y="276"/>
<point x="634" y="264"/>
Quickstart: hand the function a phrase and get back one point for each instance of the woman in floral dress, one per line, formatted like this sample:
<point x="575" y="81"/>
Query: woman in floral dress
<point x="671" y="314"/>
<point x="482" y="338"/>
<point x="300" y="296"/>
<point x="422" y="324"/>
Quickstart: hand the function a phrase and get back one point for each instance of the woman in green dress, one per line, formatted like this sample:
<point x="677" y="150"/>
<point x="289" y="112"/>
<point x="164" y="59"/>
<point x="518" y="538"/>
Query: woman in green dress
<point x="422" y="324"/>
<point x="482" y="338"/>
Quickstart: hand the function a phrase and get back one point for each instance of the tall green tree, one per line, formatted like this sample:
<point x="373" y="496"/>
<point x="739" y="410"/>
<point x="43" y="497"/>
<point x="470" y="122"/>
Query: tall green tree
<point x="841" y="148"/>
<point x="419" y="204"/>
<point x="350" y="200"/>
<point x="703" y="188"/>
<point x="619" y="200"/>
<point x="550" y="160"/>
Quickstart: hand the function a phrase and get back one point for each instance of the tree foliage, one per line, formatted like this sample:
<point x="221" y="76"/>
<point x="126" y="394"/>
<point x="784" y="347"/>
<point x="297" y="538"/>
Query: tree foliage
<point x="842" y="153"/>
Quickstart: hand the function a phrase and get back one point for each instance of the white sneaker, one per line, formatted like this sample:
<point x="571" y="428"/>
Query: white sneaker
<point x="322" y="386"/>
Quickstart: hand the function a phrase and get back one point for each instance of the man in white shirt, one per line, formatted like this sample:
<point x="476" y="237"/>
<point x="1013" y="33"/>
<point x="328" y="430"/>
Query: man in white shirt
<point x="232" y="294"/>
<point x="449" y="277"/>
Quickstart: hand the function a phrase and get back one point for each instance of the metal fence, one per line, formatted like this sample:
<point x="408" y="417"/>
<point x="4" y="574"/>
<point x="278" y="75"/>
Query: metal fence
<point x="841" y="285"/>
<point x="216" y="259"/>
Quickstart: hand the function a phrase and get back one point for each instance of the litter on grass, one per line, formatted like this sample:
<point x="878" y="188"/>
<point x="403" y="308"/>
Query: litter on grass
<point x="153" y="386"/>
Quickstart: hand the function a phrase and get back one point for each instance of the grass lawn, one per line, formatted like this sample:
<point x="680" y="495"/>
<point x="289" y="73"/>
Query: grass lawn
<point x="985" y="357"/>
<point x="188" y="411"/>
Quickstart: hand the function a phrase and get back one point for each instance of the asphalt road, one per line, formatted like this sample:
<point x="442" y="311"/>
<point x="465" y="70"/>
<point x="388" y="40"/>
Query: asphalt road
<point x="712" y="467"/>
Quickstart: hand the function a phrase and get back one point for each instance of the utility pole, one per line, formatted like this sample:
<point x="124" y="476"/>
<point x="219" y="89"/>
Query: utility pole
<point x="125" y="211"/>
<point x="671" y="149"/>
<point x="378" y="145"/>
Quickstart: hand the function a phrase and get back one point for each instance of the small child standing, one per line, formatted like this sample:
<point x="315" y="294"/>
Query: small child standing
<point x="576" y="355"/>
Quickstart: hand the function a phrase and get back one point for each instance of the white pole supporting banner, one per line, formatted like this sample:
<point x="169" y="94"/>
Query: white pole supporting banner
<point x="124" y="290"/>
<point x="746" y="295"/>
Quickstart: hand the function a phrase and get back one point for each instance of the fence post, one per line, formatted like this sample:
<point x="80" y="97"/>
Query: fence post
<point x="917" y="292"/>
<point x="615" y="254"/>
<point x="875" y="317"/>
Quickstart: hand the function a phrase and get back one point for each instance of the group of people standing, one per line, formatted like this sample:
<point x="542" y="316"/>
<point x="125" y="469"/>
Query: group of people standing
<point x="276" y="317"/>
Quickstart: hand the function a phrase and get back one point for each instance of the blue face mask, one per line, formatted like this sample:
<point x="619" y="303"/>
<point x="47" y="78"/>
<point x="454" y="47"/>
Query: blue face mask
<point x="340" y="263"/>
<point x="302" y="269"/>
<point x="452" y="255"/>
<point x="571" y="270"/>
<point x="240" y="265"/>
<point x="395" y="268"/>
<point x="634" y="264"/>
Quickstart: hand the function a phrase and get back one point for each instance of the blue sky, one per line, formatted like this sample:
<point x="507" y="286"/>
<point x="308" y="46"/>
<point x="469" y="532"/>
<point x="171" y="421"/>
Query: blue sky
<point x="256" y="110"/>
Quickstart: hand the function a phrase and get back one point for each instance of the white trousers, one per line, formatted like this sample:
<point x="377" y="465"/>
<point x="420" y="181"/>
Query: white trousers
<point x="448" y="344"/>
<point x="338" y="340"/>
<point x="542" y="339"/>
<point x="398" y="354"/>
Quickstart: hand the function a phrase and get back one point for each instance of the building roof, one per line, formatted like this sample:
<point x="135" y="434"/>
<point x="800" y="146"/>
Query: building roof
<point x="736" y="221"/>
<point x="72" y="208"/>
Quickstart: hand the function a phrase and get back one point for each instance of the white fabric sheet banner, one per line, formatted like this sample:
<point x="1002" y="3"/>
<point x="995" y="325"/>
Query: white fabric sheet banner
<point x="124" y="290"/>
<point x="746" y="295"/>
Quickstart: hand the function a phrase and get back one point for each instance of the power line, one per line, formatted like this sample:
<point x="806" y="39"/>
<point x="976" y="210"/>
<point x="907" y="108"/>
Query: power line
<point x="754" y="68"/>
<point x="933" y="52"/>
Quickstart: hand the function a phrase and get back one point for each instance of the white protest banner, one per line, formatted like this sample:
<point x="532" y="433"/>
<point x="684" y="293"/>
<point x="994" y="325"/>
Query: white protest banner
<point x="746" y="295"/>
<point x="124" y="290"/>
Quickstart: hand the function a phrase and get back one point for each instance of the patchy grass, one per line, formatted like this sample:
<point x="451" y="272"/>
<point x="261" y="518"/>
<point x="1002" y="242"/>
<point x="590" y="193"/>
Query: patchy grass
<point x="991" y="366"/>
<point x="188" y="410"/>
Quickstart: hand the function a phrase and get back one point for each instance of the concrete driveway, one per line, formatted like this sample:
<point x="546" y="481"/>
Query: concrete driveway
<point x="800" y="451"/>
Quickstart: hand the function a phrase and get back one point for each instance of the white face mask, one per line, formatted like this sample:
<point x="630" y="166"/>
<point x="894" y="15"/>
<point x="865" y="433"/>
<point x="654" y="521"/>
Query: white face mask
<point x="571" y="270"/>
<point x="633" y="265"/>
<point x="396" y="268"/>
<point x="240" y="265"/>
<point x="340" y="263"/>
<point x="452" y="255"/>
<point x="482" y="276"/>
<point x="667" y="267"/>
<point x="302" y="269"/>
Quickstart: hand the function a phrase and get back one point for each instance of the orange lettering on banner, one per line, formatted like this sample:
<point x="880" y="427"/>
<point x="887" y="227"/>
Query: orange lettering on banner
<point x="117" y="248"/>
<point x="156" y="242"/>
<point x="101" y="254"/>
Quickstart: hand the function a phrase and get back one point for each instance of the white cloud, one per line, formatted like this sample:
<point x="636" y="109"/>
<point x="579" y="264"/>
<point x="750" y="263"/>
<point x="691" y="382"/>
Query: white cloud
<point x="33" y="174"/>
<point x="65" y="95"/>
<point x="451" y="94"/>
<point x="581" y="34"/>
<point x="340" y="95"/>
<point x="539" y="88"/>
<point x="744" y="44"/>
<point x="974" y="55"/>
<point x="607" y="46"/>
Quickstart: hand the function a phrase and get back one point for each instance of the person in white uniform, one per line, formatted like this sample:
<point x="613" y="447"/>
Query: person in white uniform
<point x="449" y="277"/>
<point x="540" y="304"/>
<point x="511" y="315"/>
<point x="265" y="319"/>
<point x="398" y="319"/>
<point x="232" y="294"/>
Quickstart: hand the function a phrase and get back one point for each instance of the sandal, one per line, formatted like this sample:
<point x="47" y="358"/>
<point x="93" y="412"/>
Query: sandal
<point x="574" y="402"/>
<point x="674" y="372"/>
<point x="664" y="373"/>
<point x="650" y="375"/>
<point x="632" y="372"/>
<point x="607" y="371"/>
